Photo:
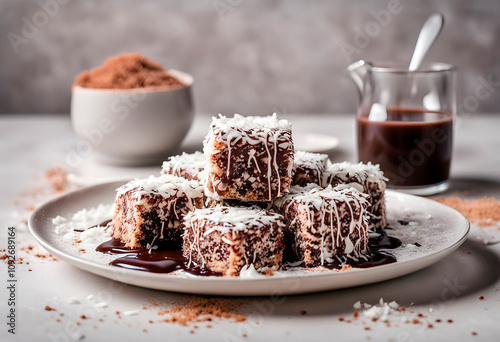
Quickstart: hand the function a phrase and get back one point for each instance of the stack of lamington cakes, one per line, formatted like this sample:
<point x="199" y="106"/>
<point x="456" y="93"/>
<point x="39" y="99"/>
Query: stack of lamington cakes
<point x="249" y="197"/>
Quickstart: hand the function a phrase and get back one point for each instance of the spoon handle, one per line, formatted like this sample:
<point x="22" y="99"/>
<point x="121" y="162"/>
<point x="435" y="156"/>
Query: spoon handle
<point x="426" y="38"/>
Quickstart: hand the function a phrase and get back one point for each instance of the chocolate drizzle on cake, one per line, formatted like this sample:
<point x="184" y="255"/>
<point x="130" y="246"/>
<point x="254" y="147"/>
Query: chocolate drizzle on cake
<point x="187" y="165"/>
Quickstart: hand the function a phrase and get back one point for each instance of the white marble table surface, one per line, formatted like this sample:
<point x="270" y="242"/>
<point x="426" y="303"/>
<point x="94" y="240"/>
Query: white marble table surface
<point x="447" y="290"/>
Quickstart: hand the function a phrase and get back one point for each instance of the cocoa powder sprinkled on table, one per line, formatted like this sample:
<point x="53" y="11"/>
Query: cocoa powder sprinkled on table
<point x="203" y="309"/>
<point x="53" y="182"/>
<point x="57" y="178"/>
<point x="483" y="211"/>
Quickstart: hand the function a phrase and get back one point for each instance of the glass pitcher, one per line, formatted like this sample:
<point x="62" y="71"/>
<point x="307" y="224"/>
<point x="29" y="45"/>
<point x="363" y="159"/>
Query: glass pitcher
<point x="405" y="123"/>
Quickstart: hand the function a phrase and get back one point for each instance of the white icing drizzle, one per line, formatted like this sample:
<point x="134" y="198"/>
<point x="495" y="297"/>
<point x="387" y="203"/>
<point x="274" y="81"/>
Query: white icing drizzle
<point x="292" y="193"/>
<point x="191" y="163"/>
<point x="248" y="130"/>
<point x="165" y="186"/>
<point x="276" y="169"/>
<point x="252" y="157"/>
<point x="205" y="221"/>
<point x="162" y="227"/>
<point x="368" y="178"/>
<point x="269" y="170"/>
<point x="326" y="202"/>
<point x="362" y="172"/>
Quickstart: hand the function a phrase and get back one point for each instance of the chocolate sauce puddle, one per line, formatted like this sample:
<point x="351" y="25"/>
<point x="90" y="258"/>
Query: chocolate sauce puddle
<point x="383" y="241"/>
<point x="166" y="259"/>
<point x="161" y="260"/>
<point x="376" y="257"/>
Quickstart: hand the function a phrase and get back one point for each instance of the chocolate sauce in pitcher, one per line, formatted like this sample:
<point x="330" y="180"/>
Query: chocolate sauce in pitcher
<point x="413" y="147"/>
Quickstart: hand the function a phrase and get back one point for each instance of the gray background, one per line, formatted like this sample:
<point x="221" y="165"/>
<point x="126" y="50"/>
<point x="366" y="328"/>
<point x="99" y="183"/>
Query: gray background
<point x="251" y="57"/>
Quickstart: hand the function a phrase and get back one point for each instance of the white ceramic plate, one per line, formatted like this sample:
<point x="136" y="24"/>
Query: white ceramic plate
<point x="438" y="229"/>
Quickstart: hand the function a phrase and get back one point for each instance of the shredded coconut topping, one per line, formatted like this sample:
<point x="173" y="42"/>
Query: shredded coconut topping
<point x="251" y="122"/>
<point x="293" y="192"/>
<point x="226" y="219"/>
<point x="309" y="167"/>
<point x="82" y="219"/>
<point x="165" y="186"/>
<point x="362" y="172"/>
<point x="309" y="158"/>
<point x="192" y="163"/>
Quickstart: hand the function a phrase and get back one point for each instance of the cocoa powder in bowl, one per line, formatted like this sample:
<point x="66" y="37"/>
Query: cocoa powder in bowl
<point x="127" y="71"/>
<point x="130" y="111"/>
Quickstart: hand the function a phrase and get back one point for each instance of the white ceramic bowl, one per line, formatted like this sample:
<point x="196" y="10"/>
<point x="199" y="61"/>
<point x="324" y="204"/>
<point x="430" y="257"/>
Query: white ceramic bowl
<point x="132" y="126"/>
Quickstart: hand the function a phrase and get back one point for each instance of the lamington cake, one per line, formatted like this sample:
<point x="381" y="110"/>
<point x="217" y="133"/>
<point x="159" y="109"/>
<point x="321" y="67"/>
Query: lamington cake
<point x="151" y="210"/>
<point x="224" y="239"/>
<point x="249" y="158"/>
<point x="326" y="224"/>
<point x="186" y="165"/>
<point x="308" y="168"/>
<point x="367" y="178"/>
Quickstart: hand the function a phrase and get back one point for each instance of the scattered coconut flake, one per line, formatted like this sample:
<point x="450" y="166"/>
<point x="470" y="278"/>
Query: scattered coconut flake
<point x="95" y="235"/>
<point x="380" y="311"/>
<point x="59" y="220"/>
<point x="84" y="230"/>
<point x="249" y="272"/>
<point x="74" y="301"/>
<point x="77" y="335"/>
<point x="130" y="313"/>
<point x="90" y="297"/>
<point x="357" y="305"/>
<point x="101" y="305"/>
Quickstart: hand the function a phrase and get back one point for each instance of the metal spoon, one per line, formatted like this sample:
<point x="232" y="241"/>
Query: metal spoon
<point x="430" y="31"/>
